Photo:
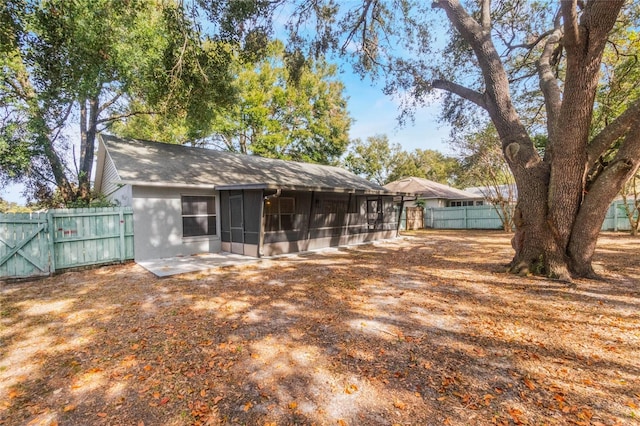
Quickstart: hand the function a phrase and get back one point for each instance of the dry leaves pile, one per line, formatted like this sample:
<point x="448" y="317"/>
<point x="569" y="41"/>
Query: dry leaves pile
<point x="423" y="330"/>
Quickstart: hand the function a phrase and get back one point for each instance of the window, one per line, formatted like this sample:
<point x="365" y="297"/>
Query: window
<point x="279" y="214"/>
<point x="198" y="216"/>
<point x="460" y="203"/>
<point x="374" y="211"/>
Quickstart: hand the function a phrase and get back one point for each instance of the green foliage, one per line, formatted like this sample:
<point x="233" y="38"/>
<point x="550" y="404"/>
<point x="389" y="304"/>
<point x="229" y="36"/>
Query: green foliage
<point x="96" y="62"/>
<point x="277" y="115"/>
<point x="379" y="161"/>
<point x="373" y="159"/>
<point x="427" y="164"/>
<point x="11" y="207"/>
<point x="44" y="198"/>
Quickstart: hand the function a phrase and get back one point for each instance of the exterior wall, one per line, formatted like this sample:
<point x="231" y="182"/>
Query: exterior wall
<point x="122" y="196"/>
<point x="157" y="217"/>
<point x="436" y="203"/>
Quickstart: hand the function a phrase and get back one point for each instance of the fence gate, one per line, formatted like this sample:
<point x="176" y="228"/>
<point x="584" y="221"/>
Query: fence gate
<point x="25" y="248"/>
<point x="415" y="218"/>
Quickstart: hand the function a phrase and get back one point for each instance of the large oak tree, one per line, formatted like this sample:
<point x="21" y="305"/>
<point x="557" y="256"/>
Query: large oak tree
<point x="532" y="68"/>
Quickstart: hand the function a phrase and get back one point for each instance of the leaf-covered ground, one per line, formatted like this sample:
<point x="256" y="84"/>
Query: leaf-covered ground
<point x="423" y="330"/>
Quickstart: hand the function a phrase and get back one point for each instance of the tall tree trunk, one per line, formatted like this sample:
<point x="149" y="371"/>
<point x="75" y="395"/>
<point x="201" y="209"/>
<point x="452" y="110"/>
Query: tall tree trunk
<point x="88" y="129"/>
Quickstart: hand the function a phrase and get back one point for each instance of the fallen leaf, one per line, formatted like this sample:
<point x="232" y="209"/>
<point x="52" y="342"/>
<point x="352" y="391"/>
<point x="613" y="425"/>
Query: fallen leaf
<point x="293" y="405"/>
<point x="400" y="405"/>
<point x="247" y="406"/>
<point x="632" y="404"/>
<point x="487" y="398"/>
<point x="217" y="399"/>
<point x="203" y="393"/>
<point x="342" y="422"/>
<point x="351" y="389"/>
<point x="528" y="383"/>
<point x="147" y="367"/>
<point x="69" y="407"/>
<point x="164" y="400"/>
<point x="101" y="414"/>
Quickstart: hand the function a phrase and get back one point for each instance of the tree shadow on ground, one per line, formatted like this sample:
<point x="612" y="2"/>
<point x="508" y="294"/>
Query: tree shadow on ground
<point x="418" y="331"/>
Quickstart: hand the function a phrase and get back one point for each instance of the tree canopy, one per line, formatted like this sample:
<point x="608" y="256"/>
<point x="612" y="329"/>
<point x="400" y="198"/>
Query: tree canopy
<point x="381" y="161"/>
<point x="83" y="62"/>
<point x="275" y="114"/>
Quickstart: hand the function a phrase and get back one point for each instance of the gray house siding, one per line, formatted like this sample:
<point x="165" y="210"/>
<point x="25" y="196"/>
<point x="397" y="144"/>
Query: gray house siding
<point x="110" y="176"/>
<point x="157" y="217"/>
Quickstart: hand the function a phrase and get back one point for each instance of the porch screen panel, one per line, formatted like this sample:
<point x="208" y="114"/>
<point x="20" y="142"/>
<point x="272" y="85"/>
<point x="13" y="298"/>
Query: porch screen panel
<point x="225" y="222"/>
<point x="252" y="212"/>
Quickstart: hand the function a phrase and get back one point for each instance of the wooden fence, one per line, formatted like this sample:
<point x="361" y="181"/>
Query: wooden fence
<point x="33" y="244"/>
<point x="486" y="217"/>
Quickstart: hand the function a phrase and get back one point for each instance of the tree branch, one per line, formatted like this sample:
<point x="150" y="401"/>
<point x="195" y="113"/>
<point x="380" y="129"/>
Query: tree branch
<point x="113" y="118"/>
<point x="571" y="29"/>
<point x="362" y="19"/>
<point x="464" y="92"/>
<point x="614" y="131"/>
<point x="109" y="103"/>
<point x="486" y="14"/>
<point x="549" y="83"/>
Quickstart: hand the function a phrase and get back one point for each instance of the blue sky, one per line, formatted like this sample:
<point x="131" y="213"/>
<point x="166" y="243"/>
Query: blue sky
<point x="376" y="113"/>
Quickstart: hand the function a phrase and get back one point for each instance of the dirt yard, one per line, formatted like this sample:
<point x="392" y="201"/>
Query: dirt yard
<point x="423" y="330"/>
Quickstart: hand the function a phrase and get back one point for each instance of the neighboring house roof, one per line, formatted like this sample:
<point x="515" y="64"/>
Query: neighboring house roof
<point x="487" y="192"/>
<point x="428" y="189"/>
<point x="149" y="163"/>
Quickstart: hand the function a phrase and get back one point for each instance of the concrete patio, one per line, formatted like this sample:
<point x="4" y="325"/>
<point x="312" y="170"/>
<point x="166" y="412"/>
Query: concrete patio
<point x="196" y="263"/>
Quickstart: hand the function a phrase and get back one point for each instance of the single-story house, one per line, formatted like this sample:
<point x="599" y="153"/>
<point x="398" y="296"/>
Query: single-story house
<point x="506" y="192"/>
<point x="190" y="200"/>
<point x="434" y="194"/>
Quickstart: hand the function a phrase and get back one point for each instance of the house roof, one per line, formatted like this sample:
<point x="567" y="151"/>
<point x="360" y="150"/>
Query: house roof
<point x="429" y="189"/>
<point x="506" y="191"/>
<point x="160" y="164"/>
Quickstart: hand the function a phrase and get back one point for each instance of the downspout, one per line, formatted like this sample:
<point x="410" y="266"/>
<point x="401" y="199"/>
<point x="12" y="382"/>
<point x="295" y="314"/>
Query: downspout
<point x="276" y="195"/>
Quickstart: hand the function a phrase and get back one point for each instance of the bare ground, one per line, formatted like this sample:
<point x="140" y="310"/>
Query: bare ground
<point x="423" y="330"/>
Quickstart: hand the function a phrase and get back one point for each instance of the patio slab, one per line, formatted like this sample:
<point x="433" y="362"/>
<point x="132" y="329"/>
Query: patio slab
<point x="166" y="267"/>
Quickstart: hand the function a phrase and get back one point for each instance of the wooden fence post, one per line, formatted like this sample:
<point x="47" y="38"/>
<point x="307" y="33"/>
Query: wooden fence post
<point x="50" y="233"/>
<point x="122" y="245"/>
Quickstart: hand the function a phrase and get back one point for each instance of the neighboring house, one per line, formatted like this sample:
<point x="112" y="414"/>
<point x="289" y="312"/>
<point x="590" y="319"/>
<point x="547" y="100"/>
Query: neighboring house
<point x="194" y="200"/>
<point x="434" y="194"/>
<point x="490" y="194"/>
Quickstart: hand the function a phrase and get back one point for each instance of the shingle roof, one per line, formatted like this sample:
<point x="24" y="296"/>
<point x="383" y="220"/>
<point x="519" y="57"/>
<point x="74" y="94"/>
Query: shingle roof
<point x="144" y="162"/>
<point x="428" y="189"/>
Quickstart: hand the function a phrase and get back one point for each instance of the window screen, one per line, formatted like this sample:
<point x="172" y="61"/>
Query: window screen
<point x="198" y="216"/>
<point x="279" y="214"/>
